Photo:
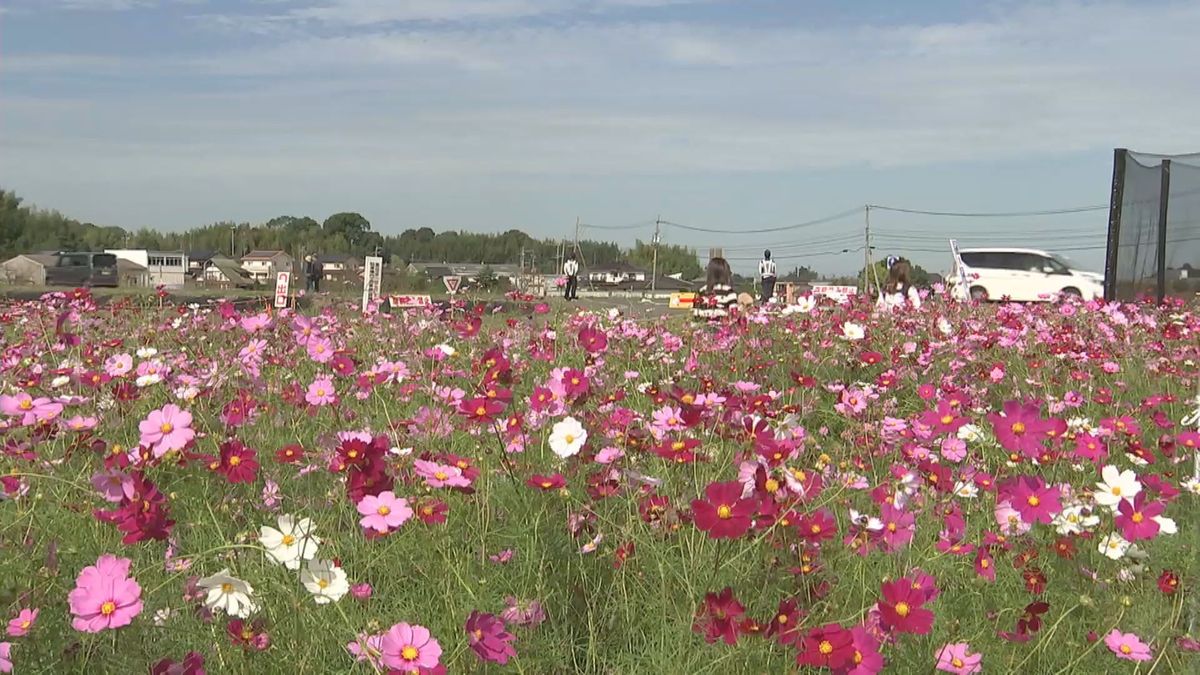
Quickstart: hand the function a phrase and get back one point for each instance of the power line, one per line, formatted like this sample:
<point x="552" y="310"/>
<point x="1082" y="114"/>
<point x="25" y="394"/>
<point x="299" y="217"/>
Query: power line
<point x="818" y="221"/>
<point x="994" y="214"/>
<point x="631" y="226"/>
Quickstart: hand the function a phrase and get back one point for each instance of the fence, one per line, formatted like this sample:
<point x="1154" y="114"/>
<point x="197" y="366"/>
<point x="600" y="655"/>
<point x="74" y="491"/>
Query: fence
<point x="1153" y="226"/>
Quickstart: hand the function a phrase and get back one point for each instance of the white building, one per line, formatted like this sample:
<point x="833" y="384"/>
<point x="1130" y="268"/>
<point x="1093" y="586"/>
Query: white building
<point x="262" y="266"/>
<point x="163" y="268"/>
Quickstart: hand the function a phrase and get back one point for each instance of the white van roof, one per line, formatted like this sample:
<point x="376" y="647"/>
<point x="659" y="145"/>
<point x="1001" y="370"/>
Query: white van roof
<point x="1033" y="251"/>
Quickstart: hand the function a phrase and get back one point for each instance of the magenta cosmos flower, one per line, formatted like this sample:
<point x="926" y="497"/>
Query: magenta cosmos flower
<point x="488" y="638"/>
<point x="408" y="648"/>
<point x="31" y="410"/>
<point x="1021" y="428"/>
<point x="1127" y="646"/>
<point x="953" y="658"/>
<point x="167" y="429"/>
<point x="1033" y="499"/>
<point x="1137" y="518"/>
<point x="383" y="512"/>
<point x="105" y="596"/>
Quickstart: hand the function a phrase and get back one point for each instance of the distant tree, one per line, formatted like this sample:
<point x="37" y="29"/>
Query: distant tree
<point x="350" y="225"/>
<point x="801" y="273"/>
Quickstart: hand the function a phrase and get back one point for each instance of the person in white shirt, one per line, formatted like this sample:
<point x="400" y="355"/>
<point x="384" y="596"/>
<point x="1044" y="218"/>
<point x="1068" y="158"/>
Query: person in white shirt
<point x="571" y="270"/>
<point x="766" y="272"/>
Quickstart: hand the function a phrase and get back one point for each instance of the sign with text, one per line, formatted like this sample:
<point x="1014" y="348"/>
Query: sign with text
<point x="452" y="284"/>
<point x="282" y="282"/>
<point x="840" y="293"/>
<point x="682" y="300"/>
<point x="372" y="280"/>
<point x="410" y="301"/>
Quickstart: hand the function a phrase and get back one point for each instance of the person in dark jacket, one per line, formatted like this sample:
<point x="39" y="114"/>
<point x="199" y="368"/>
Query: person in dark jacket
<point x="312" y="272"/>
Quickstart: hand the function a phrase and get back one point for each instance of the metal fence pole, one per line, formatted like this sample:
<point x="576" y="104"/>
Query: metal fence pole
<point x="1117" y="196"/>
<point x="1164" y="199"/>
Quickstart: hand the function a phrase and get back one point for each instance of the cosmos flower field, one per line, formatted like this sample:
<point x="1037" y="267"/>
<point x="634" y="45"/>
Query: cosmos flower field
<point x="534" y="488"/>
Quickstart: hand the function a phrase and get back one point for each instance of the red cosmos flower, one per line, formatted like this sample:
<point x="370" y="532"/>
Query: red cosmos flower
<point x="817" y="527"/>
<point x="432" y="511"/>
<point x="623" y="553"/>
<point x="238" y="463"/>
<point x="901" y="608"/>
<point x="248" y="635"/>
<point x="1168" y="582"/>
<point x="785" y="626"/>
<point x="547" y="483"/>
<point x="652" y="508"/>
<point x="1030" y="620"/>
<point x="829" y="646"/>
<point x="985" y="565"/>
<point x="1033" y="499"/>
<point x="1137" y="518"/>
<point x="680" y="451"/>
<point x="718" y="616"/>
<point x="1021" y="428"/>
<point x="192" y="664"/>
<point x="1035" y="581"/>
<point x="488" y="639"/>
<point x="1065" y="548"/>
<point x="342" y="364"/>
<point x="142" y="514"/>
<point x="725" y="515"/>
<point x="593" y="340"/>
<point x="870" y="358"/>
<point x="290" y="454"/>
<point x="481" y="409"/>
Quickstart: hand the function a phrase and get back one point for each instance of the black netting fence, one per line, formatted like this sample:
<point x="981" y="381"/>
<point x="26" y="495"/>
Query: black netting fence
<point x="1154" y="233"/>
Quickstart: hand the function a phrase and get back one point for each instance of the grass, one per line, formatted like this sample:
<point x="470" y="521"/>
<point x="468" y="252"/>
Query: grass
<point x="636" y="619"/>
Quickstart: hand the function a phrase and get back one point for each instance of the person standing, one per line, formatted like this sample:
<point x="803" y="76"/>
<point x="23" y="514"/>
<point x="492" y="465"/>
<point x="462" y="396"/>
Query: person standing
<point x="766" y="273"/>
<point x="312" y="272"/>
<point x="571" y="270"/>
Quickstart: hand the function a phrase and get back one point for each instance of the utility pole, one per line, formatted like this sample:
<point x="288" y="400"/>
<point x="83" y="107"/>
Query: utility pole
<point x="654" y="272"/>
<point x="867" y="252"/>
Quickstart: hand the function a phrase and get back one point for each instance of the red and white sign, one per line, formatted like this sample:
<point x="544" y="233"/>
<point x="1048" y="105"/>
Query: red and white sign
<point x="452" y="284"/>
<point x="410" y="301"/>
<point x="835" y="292"/>
<point x="282" y="282"/>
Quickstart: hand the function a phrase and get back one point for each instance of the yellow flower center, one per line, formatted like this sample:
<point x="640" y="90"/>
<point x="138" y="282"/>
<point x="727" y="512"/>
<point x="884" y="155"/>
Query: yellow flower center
<point x="782" y="618"/>
<point x="1033" y="500"/>
<point x="247" y="634"/>
<point x="481" y="411"/>
<point x="167" y="427"/>
<point x="956" y="662"/>
<point x="858" y="657"/>
<point x="902" y="608"/>
<point x="1137" y="517"/>
<point x="108" y="608"/>
<point x="825" y="647"/>
<point x="322" y="583"/>
<point x="226" y="587"/>
<point x="771" y="485"/>
<point x="569" y="438"/>
<point x="235" y="460"/>
<point x="547" y="484"/>
<point x="724" y="512"/>
<point x="25" y="624"/>
<point x="288" y="540"/>
<point x="320" y="392"/>
<point x="440" y="475"/>
<point x="947" y="419"/>
<point x="1126" y="649"/>
<point x="677" y="446"/>
<point x="815" y="529"/>
<point x="26" y="404"/>
<point x="1116" y="490"/>
<point x="409" y="653"/>
<point x="383" y="510"/>
<point x="891" y="527"/>
<point x="687" y="398"/>
<point x="1018" y="427"/>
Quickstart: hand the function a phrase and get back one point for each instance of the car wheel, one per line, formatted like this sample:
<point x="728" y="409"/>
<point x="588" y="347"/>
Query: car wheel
<point x="1072" y="291"/>
<point x="979" y="293"/>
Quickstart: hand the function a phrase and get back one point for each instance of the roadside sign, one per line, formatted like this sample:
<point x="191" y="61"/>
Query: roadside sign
<point x="839" y="293"/>
<point x="682" y="300"/>
<point x="372" y="280"/>
<point x="964" y="289"/>
<point x="452" y="284"/>
<point x="410" y="301"/>
<point x="282" y="281"/>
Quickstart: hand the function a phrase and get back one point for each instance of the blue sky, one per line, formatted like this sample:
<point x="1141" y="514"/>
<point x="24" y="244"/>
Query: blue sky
<point x="491" y="114"/>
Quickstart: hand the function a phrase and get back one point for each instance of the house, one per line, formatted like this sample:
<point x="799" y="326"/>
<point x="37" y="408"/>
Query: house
<point x="222" y="272"/>
<point x="165" y="268"/>
<point x="1184" y="272"/>
<point x="28" y="269"/>
<point x="197" y="261"/>
<point x="616" y="273"/>
<point x="468" y="271"/>
<point x="130" y="273"/>
<point x="262" y="266"/>
<point x="342" y="266"/>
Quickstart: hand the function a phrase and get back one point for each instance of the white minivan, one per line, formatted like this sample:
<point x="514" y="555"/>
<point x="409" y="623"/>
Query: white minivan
<point x="1022" y="274"/>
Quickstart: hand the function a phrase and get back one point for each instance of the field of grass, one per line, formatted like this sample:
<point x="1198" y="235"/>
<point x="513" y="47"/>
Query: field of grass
<point x="596" y="482"/>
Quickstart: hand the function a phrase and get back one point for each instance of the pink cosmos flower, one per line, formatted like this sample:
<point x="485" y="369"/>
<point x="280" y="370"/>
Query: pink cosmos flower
<point x="104" y="596"/>
<point x="31" y="410"/>
<point x="361" y="591"/>
<point x="118" y="365"/>
<point x="953" y="658"/>
<point x="408" y="648"/>
<point x="6" y="664"/>
<point x="1127" y="646"/>
<point x="20" y="626"/>
<point x="488" y="639"/>
<point x="320" y="349"/>
<point x="167" y="429"/>
<point x="383" y="512"/>
<point x="113" y="484"/>
<point x="609" y="455"/>
<point x="440" y="475"/>
<point x="321" y="392"/>
<point x="81" y="423"/>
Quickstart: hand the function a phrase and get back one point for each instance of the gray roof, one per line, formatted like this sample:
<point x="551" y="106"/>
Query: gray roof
<point x="232" y="272"/>
<point x="262" y="255"/>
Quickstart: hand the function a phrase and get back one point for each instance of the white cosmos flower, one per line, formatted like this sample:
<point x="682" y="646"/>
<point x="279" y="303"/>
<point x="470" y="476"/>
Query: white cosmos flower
<point x="852" y="331"/>
<point x="1071" y="520"/>
<point x="1117" y="485"/>
<point x="970" y="433"/>
<point x="1113" y="546"/>
<point x="447" y="349"/>
<point x="866" y="521"/>
<point x="59" y="381"/>
<point x="146" y="352"/>
<point x="966" y="490"/>
<point x="326" y="581"/>
<point x="147" y="380"/>
<point x="291" y="543"/>
<point x="228" y="594"/>
<point x="1166" y="525"/>
<point x="567" y="437"/>
<point x="944" y="326"/>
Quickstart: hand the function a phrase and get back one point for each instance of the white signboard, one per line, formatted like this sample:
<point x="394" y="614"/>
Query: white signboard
<point x="282" y="281"/>
<point x="839" y="293"/>
<point x="410" y="301"/>
<point x="452" y="284"/>
<point x="372" y="280"/>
